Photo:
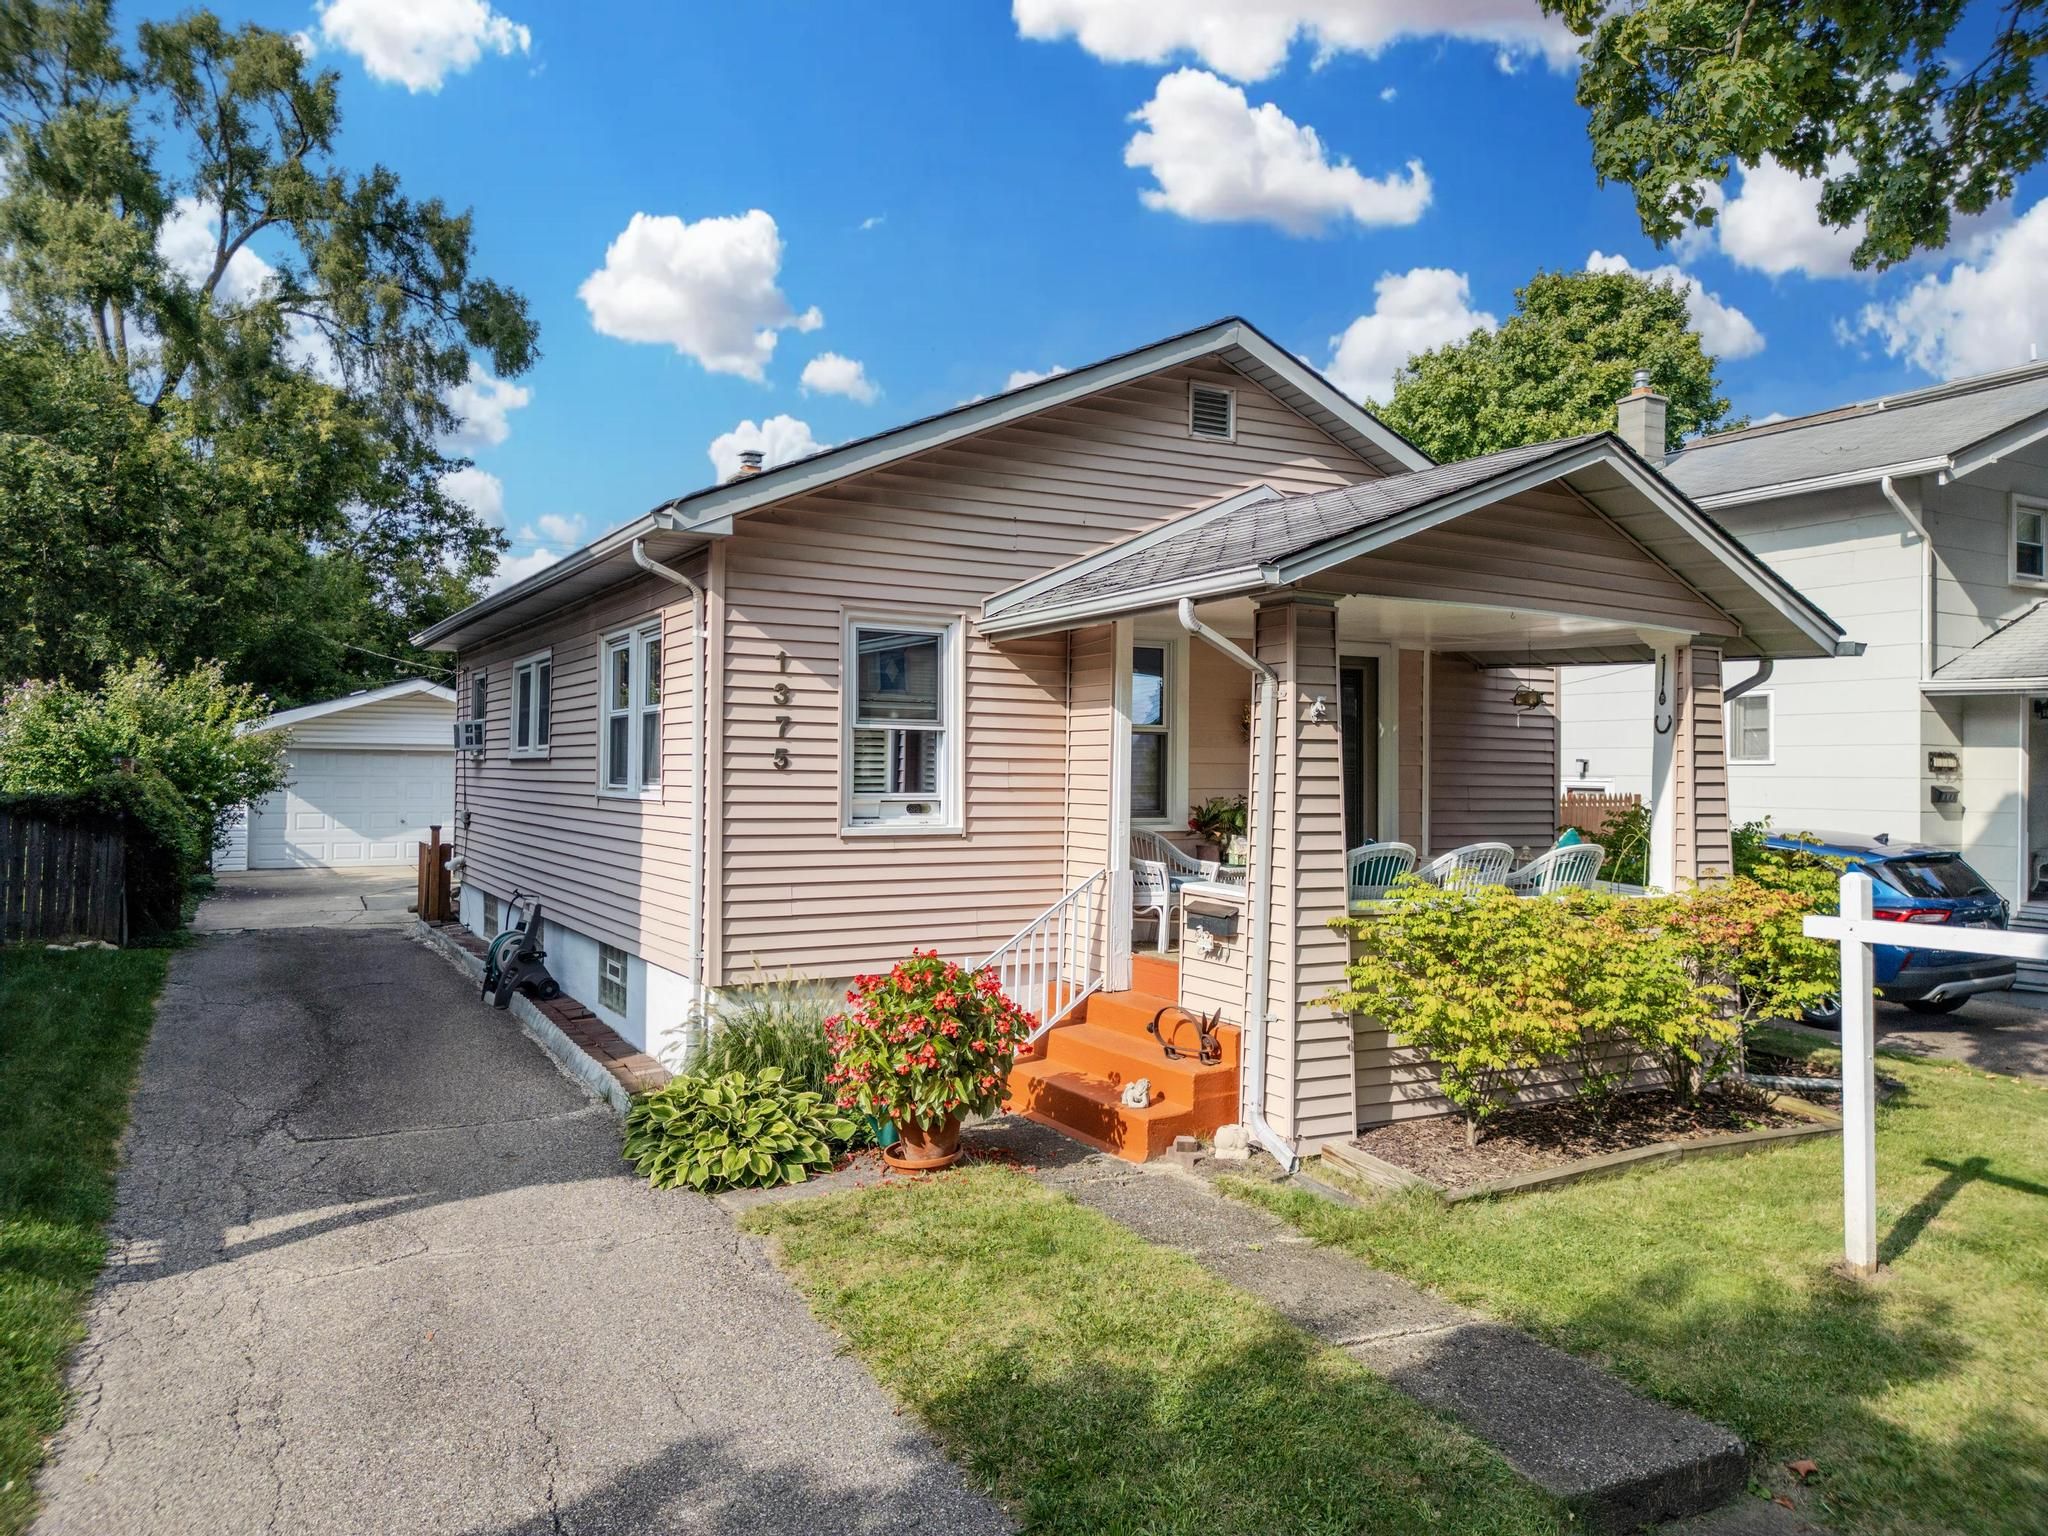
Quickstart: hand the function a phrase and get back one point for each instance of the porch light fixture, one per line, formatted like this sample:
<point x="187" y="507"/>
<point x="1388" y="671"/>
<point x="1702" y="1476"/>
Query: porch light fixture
<point x="1526" y="697"/>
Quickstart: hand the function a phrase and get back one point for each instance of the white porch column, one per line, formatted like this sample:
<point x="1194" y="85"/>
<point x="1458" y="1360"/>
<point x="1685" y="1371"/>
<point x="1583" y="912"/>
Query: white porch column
<point x="1665" y="693"/>
<point x="1117" y="966"/>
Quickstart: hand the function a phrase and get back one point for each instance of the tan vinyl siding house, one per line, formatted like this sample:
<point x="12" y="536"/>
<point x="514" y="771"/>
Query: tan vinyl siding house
<point x="937" y="663"/>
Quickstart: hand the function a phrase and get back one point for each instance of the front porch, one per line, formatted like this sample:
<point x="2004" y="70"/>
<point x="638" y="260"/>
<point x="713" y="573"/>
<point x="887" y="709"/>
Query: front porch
<point x="1362" y="666"/>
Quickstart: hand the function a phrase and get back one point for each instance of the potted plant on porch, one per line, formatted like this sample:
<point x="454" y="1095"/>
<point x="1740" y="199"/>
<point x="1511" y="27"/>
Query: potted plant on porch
<point x="1218" y="824"/>
<point x="920" y="1048"/>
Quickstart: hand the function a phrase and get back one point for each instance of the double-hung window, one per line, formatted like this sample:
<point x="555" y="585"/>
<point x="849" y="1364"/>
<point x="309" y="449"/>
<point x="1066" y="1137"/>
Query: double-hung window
<point x="1151" y="731"/>
<point x="2029" y="541"/>
<point x="629" y="684"/>
<point x="1749" y="729"/>
<point x="901" y="681"/>
<point x="532" y="691"/>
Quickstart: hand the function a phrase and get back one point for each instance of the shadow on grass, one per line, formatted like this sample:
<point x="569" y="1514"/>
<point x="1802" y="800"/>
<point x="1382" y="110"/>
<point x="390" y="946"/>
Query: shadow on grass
<point x="1913" y="1222"/>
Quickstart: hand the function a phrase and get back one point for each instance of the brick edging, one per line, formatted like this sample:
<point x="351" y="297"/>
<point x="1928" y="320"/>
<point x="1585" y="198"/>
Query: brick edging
<point x="586" y="1048"/>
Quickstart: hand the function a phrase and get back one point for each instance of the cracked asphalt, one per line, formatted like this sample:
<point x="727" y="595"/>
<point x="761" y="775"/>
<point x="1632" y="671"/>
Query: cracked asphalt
<point x="378" y="1268"/>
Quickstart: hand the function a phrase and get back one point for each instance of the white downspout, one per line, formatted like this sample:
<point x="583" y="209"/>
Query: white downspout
<point x="700" y="637"/>
<point x="1927" y="592"/>
<point x="1262" y="884"/>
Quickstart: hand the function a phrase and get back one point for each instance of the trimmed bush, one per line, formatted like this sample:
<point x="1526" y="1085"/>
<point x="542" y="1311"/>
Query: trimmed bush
<point x="731" y="1130"/>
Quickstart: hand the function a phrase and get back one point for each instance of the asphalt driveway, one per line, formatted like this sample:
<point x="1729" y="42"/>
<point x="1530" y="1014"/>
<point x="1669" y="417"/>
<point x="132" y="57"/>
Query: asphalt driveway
<point x="372" y="897"/>
<point x="378" y="1268"/>
<point x="1997" y="1032"/>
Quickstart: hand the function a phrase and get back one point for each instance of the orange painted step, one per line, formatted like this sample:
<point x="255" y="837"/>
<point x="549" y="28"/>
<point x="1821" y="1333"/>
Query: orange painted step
<point x="1155" y="974"/>
<point x="1100" y="1053"/>
<point x="1131" y="1013"/>
<point x="1089" y="1110"/>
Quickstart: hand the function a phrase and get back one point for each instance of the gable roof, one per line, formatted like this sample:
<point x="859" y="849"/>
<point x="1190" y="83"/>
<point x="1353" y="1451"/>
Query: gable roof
<point x="1256" y="542"/>
<point x="693" y="520"/>
<point x="2013" y="657"/>
<point x="405" y="687"/>
<point x="1954" y="428"/>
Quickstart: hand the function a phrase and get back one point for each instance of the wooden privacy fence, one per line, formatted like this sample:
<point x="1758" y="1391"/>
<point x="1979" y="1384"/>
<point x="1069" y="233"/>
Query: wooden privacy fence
<point x="1590" y="813"/>
<point x="62" y="880"/>
<point x="435" y="902"/>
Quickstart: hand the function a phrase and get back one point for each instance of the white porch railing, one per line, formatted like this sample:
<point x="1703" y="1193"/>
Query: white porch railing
<point x="1060" y="956"/>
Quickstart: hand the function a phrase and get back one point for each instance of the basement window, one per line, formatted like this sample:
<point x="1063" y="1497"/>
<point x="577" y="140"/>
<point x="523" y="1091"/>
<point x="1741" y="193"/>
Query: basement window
<point x="1212" y="412"/>
<point x="611" y="978"/>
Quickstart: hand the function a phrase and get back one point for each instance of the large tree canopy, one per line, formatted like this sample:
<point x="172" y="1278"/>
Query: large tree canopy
<point x="1556" y="368"/>
<point x="1909" y="120"/>
<point x="227" y="361"/>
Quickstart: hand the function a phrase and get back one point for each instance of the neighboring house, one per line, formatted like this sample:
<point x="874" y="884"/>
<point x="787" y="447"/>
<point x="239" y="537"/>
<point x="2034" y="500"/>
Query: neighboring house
<point x="923" y="689"/>
<point x="1921" y="521"/>
<point x="369" y="773"/>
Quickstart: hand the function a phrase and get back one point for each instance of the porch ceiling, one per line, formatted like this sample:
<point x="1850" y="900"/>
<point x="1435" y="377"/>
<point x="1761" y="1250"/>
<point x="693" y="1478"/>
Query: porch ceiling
<point x="1488" y="636"/>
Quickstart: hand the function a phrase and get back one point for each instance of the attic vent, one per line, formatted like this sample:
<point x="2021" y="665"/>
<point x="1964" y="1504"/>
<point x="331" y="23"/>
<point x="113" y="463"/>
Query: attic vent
<point x="1211" y="412"/>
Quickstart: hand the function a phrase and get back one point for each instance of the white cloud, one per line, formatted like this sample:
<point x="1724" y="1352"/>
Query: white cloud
<point x="873" y="221"/>
<point x="830" y="374"/>
<point x="303" y="41"/>
<point x="187" y="243"/>
<point x="780" y="438"/>
<point x="513" y="568"/>
<point x="479" y="490"/>
<point x="1983" y="313"/>
<point x="1412" y="312"/>
<point x="1773" y="225"/>
<point x="1250" y="39"/>
<point x="708" y="289"/>
<point x="1217" y="158"/>
<point x="1019" y="377"/>
<point x="1389" y="92"/>
<point x="419" y="43"/>
<point x="555" y="528"/>
<point x="483" y="404"/>
<point x="1725" y="331"/>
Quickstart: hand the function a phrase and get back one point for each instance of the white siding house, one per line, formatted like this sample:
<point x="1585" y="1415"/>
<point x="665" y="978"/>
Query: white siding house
<point x="369" y="774"/>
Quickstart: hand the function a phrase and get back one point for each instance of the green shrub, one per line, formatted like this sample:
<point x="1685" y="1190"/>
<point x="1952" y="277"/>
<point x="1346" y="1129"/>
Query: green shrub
<point x="731" y="1130"/>
<point x="1626" y="837"/>
<point x="776" y="1022"/>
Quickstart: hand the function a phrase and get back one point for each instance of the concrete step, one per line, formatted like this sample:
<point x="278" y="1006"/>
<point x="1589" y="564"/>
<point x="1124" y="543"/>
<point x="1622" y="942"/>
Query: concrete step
<point x="1117" y="1060"/>
<point x="1130" y="1014"/>
<point x="1090" y="1109"/>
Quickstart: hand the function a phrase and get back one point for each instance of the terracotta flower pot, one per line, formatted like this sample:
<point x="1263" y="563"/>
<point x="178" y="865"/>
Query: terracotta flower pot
<point x="921" y="1149"/>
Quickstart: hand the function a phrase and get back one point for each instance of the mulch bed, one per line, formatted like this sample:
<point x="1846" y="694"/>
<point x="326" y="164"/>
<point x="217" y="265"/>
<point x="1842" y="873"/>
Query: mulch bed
<point x="1548" y="1136"/>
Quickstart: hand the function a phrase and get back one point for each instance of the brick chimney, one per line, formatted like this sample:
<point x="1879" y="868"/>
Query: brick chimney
<point x="1639" y="418"/>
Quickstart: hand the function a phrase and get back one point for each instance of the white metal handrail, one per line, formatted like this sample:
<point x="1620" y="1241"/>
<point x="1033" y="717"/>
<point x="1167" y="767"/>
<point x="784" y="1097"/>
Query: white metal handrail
<point x="1059" y="957"/>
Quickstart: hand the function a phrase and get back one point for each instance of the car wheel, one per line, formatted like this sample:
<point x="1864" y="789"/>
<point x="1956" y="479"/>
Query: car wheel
<point x="1826" y="1014"/>
<point x="1936" y="1004"/>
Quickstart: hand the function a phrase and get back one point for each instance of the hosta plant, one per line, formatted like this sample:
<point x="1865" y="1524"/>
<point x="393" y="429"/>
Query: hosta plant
<point x="731" y="1129"/>
<point x="925" y="1043"/>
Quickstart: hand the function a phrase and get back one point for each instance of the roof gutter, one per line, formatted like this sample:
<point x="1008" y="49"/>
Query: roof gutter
<point x="1848" y="477"/>
<point x="1258" y="991"/>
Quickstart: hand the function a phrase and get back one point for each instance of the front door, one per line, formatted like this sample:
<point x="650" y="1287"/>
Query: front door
<point x="1358" y="702"/>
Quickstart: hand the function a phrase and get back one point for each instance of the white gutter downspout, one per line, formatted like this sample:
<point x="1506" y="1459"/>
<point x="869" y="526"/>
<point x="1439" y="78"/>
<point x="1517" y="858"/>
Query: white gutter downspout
<point x="700" y="637"/>
<point x="1262" y="883"/>
<point x="1927" y="592"/>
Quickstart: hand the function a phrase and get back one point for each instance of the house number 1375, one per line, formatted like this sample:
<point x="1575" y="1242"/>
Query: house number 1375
<point x="781" y="694"/>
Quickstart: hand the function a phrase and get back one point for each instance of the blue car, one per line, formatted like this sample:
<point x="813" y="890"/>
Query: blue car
<point x="1916" y="884"/>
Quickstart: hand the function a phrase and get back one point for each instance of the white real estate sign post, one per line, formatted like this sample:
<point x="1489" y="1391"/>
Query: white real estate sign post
<point x="1856" y="930"/>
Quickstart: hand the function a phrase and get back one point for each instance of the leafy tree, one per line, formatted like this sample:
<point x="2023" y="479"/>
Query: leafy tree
<point x="224" y="398"/>
<point x="1556" y="367"/>
<point x="1908" y="125"/>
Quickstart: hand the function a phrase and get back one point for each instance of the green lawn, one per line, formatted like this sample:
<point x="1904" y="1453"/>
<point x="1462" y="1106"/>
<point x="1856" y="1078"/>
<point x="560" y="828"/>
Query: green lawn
<point x="1923" y="1397"/>
<point x="1097" y="1384"/>
<point x="72" y="1028"/>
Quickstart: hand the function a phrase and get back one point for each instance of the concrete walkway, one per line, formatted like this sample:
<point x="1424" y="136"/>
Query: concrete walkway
<point x="378" y="1268"/>
<point x="376" y="897"/>
<point x="1619" y="1459"/>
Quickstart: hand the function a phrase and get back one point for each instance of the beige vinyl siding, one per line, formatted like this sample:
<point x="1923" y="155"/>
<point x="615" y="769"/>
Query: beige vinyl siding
<point x="1700" y="770"/>
<point x="615" y="869"/>
<point x="1543" y="550"/>
<point x="930" y="538"/>
<point x="1492" y="767"/>
<point x="1218" y="746"/>
<point x="1412" y="747"/>
<point x="418" y="720"/>
<point x="1216" y="983"/>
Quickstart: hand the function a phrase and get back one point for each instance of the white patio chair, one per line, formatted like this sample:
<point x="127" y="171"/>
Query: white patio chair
<point x="1562" y="869"/>
<point x="1471" y="867"/>
<point x="1371" y="869"/>
<point x="1181" y="866"/>
<point x="1152" y="891"/>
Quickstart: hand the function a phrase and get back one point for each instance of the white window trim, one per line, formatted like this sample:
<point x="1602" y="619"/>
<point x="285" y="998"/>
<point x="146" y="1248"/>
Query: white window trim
<point x="1770" y="727"/>
<point x="1177" y="805"/>
<point x="952" y="632"/>
<point x="1221" y="389"/>
<point x="2015" y="504"/>
<point x="635" y="639"/>
<point x="532" y="665"/>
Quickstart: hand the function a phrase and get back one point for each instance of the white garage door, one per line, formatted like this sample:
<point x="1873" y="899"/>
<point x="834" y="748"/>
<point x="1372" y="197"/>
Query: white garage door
<point x="346" y="808"/>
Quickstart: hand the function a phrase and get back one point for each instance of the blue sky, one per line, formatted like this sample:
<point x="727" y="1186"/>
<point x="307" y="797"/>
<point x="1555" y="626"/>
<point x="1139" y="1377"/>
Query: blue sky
<point x="948" y="201"/>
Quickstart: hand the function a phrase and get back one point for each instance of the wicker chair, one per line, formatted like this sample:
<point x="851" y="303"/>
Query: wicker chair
<point x="1562" y="869"/>
<point x="1372" y="868"/>
<point x="1471" y="867"/>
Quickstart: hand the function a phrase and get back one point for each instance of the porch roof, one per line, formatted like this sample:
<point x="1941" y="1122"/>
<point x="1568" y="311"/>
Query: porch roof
<point x="2011" y="659"/>
<point x="1261" y="540"/>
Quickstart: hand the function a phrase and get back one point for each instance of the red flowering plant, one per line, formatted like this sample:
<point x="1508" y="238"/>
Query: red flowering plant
<point x="925" y="1043"/>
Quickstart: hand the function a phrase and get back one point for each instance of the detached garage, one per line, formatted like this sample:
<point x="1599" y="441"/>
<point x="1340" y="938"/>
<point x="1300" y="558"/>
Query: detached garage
<point x="370" y="773"/>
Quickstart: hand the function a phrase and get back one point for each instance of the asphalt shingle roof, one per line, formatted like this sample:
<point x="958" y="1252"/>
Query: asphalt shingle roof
<point x="2019" y="650"/>
<point x="1266" y="531"/>
<point x="1901" y="429"/>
